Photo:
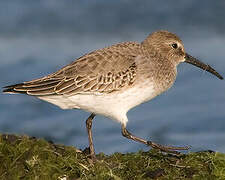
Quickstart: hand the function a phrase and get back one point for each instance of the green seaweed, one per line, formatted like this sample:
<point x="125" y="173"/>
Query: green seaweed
<point x="24" y="157"/>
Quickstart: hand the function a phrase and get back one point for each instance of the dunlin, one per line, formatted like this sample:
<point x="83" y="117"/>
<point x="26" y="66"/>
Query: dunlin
<point x="112" y="80"/>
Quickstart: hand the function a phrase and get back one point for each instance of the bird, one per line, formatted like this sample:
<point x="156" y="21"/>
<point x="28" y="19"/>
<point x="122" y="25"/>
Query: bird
<point x="112" y="80"/>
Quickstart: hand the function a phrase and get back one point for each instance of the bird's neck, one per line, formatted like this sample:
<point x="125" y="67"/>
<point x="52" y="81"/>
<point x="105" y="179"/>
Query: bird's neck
<point x="157" y="68"/>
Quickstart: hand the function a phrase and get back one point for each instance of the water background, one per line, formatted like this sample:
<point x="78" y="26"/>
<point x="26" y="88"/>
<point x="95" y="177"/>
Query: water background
<point x="39" y="37"/>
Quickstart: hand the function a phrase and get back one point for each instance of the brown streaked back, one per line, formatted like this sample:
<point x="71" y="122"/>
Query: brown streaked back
<point x="103" y="71"/>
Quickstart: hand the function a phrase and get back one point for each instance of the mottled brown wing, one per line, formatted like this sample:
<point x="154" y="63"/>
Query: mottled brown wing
<point x="101" y="71"/>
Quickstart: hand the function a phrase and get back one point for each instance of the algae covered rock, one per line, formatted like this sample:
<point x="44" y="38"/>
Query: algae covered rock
<point x="24" y="157"/>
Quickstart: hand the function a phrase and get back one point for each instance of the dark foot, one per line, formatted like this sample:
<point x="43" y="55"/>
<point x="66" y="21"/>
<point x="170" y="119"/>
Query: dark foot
<point x="87" y="152"/>
<point x="168" y="149"/>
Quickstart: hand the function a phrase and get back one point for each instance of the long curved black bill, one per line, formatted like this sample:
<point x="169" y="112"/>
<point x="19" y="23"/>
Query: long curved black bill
<point x="191" y="60"/>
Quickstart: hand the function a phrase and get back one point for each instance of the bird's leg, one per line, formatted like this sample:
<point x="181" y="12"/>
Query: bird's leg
<point x="169" y="149"/>
<point x="88" y="126"/>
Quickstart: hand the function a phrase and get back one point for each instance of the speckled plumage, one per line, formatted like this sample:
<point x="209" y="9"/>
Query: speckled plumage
<point x="104" y="73"/>
<point x="108" y="73"/>
<point x="112" y="80"/>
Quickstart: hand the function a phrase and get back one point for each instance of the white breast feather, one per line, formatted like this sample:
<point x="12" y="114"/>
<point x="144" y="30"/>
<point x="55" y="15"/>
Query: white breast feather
<point x="113" y="105"/>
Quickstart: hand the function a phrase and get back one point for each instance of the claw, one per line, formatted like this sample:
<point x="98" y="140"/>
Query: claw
<point x="168" y="149"/>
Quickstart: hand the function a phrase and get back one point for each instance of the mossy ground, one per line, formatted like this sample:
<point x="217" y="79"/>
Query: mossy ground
<point x="23" y="157"/>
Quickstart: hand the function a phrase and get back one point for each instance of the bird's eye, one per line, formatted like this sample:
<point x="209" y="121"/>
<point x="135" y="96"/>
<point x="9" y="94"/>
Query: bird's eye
<point x="174" y="45"/>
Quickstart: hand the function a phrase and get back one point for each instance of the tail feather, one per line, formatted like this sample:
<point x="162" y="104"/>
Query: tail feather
<point x="35" y="88"/>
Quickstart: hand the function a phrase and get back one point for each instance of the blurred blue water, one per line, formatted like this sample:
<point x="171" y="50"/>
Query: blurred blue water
<point x="39" y="37"/>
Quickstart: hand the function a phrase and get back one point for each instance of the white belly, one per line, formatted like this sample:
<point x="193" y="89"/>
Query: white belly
<point x="114" y="105"/>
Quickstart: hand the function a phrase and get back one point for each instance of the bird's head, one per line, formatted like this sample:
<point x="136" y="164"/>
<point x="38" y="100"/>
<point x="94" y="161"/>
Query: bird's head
<point x="171" y="47"/>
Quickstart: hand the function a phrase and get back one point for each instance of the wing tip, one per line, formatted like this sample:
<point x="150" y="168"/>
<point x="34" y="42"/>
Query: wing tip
<point x="11" y="89"/>
<point x="20" y="89"/>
